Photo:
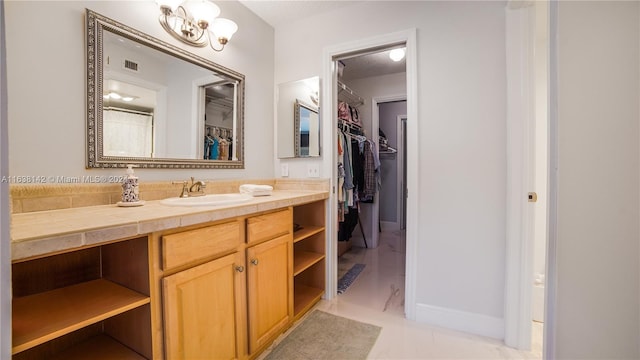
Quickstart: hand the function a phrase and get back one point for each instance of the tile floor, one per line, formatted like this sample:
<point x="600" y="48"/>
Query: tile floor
<point x="377" y="297"/>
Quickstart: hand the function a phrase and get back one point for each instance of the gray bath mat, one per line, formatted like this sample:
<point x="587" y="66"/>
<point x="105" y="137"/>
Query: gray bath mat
<point x="324" y="336"/>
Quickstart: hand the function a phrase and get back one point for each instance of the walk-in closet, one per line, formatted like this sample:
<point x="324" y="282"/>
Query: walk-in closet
<point x="371" y="111"/>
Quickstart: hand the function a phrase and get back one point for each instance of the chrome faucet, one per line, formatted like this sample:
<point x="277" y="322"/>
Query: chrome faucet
<point x="196" y="188"/>
<point x="185" y="188"/>
<point x="199" y="187"/>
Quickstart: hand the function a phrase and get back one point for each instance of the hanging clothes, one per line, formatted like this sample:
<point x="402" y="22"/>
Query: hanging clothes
<point x="224" y="149"/>
<point x="356" y="166"/>
<point x="344" y="111"/>
<point x="213" y="152"/>
<point x="208" y="141"/>
<point x="369" y="185"/>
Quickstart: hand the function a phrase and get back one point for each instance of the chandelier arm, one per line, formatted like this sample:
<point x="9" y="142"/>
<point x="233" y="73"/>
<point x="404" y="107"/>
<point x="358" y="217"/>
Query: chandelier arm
<point x="184" y="16"/>
<point x="214" y="49"/>
<point x="201" y="31"/>
<point x="211" y="41"/>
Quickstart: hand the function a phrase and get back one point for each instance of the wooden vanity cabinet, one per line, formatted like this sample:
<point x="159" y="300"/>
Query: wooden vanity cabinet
<point x="204" y="293"/>
<point x="204" y="306"/>
<point x="88" y="303"/>
<point x="269" y="277"/>
<point x="228" y="288"/>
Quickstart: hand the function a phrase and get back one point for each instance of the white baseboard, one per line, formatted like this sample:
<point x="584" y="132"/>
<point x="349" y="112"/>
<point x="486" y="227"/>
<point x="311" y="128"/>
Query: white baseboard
<point x="473" y="323"/>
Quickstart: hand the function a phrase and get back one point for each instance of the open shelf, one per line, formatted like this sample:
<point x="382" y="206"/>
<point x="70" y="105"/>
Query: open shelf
<point x="108" y="349"/>
<point x="305" y="297"/>
<point x="305" y="259"/>
<point x="45" y="316"/>
<point x="306" y="232"/>
<point x="309" y="254"/>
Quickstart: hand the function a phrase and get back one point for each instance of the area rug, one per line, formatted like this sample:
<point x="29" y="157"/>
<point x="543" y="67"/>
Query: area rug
<point x="349" y="277"/>
<point x="324" y="336"/>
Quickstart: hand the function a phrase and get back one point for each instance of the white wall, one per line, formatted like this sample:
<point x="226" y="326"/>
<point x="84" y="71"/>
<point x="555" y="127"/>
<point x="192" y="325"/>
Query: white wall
<point x="377" y="87"/>
<point x="46" y="85"/>
<point x="598" y="252"/>
<point x="462" y="157"/>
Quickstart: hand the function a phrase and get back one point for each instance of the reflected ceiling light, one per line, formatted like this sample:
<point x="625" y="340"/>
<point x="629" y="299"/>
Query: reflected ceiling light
<point x="118" y="96"/>
<point x="396" y="54"/>
<point x="195" y="22"/>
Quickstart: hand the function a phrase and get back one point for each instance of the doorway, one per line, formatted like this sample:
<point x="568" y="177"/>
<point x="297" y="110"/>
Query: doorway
<point x="392" y="205"/>
<point x="330" y="91"/>
<point x="380" y="285"/>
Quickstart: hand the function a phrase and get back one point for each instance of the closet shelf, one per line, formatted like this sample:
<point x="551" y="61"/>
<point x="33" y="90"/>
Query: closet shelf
<point x="349" y="96"/>
<point x="388" y="152"/>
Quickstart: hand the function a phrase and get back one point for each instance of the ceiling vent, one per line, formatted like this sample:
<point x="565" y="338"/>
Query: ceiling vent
<point x="131" y="65"/>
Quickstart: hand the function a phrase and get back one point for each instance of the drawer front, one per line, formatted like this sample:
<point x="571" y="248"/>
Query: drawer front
<point x="188" y="246"/>
<point x="269" y="226"/>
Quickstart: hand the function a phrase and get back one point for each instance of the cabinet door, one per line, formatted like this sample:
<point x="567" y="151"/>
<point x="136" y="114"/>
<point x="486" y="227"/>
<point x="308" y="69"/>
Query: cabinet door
<point x="269" y="283"/>
<point x="204" y="310"/>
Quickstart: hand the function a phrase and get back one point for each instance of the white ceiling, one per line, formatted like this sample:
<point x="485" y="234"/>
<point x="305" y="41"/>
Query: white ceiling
<point x="369" y="65"/>
<point x="276" y="13"/>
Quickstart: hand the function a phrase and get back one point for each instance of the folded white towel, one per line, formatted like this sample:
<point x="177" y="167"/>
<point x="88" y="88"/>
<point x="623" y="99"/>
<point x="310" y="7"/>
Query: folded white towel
<point x="256" y="190"/>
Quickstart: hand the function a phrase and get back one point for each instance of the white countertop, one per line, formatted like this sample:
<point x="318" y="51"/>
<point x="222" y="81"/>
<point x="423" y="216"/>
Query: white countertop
<point x="43" y="232"/>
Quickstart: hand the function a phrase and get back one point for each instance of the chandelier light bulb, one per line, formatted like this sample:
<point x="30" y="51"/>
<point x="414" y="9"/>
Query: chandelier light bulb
<point x="203" y="11"/>
<point x="223" y="29"/>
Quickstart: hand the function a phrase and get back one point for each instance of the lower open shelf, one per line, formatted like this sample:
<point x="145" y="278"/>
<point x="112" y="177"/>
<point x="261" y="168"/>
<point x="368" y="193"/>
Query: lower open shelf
<point x="101" y="347"/>
<point x="45" y="316"/>
<point x="305" y="297"/>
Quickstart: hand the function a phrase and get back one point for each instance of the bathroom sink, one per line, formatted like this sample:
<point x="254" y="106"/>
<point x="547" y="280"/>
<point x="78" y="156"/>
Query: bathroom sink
<point x="207" y="200"/>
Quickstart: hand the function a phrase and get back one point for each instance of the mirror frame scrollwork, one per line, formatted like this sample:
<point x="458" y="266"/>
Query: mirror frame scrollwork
<point x="95" y="25"/>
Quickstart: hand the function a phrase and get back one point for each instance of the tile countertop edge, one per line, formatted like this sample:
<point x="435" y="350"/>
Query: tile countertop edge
<point x="68" y="229"/>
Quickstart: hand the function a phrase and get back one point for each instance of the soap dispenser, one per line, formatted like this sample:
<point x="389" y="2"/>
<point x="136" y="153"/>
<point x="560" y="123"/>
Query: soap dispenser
<point x="130" y="192"/>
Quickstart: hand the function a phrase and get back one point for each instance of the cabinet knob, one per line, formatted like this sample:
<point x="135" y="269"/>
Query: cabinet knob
<point x="254" y="261"/>
<point x="240" y="268"/>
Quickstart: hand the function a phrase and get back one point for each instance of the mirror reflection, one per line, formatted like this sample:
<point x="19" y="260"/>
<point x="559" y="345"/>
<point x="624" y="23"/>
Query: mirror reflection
<point x="298" y="120"/>
<point x="307" y="123"/>
<point x="157" y="105"/>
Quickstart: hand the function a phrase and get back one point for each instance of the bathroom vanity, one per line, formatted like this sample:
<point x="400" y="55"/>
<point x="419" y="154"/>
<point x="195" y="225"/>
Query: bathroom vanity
<point x="160" y="282"/>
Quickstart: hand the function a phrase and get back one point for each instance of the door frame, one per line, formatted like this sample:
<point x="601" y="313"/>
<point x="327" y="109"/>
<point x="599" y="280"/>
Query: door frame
<point x="329" y="94"/>
<point x="520" y="176"/>
<point x="401" y="171"/>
